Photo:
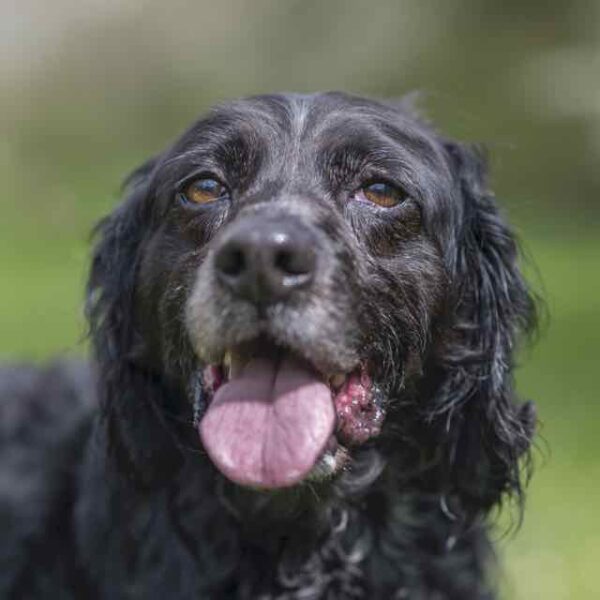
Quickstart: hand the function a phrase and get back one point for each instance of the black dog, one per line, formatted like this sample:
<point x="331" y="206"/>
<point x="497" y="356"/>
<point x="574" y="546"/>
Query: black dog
<point x="304" y="316"/>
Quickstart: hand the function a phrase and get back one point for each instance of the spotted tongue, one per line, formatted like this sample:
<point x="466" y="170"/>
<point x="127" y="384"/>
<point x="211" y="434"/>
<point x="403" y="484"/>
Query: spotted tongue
<point x="267" y="426"/>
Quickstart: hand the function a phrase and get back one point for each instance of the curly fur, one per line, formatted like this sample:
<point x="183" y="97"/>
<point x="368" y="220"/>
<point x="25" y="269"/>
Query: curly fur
<point x="120" y="501"/>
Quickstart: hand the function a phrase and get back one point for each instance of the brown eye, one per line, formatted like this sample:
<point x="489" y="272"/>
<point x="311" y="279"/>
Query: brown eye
<point x="204" y="190"/>
<point x="383" y="194"/>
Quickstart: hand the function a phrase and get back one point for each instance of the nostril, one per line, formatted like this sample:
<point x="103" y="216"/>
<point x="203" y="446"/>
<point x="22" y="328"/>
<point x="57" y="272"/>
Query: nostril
<point x="293" y="261"/>
<point x="285" y="262"/>
<point x="231" y="261"/>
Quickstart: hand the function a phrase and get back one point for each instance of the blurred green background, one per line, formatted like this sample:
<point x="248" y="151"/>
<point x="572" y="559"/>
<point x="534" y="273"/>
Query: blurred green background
<point x="92" y="88"/>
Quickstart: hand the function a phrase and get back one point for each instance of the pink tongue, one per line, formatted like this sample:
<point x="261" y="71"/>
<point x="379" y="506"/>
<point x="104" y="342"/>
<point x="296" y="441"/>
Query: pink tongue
<point x="267" y="427"/>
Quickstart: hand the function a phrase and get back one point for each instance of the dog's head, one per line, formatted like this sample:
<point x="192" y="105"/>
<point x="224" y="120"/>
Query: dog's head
<point x="302" y="280"/>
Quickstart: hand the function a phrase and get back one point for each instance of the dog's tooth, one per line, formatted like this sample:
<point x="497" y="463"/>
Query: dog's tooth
<point x="337" y="381"/>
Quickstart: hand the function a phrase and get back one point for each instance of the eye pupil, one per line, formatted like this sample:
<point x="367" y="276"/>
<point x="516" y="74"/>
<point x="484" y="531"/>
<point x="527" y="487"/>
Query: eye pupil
<point x="208" y="185"/>
<point x="383" y="194"/>
<point x="379" y="188"/>
<point x="204" y="190"/>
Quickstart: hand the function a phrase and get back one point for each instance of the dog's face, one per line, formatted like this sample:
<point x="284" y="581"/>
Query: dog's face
<point x="297" y="272"/>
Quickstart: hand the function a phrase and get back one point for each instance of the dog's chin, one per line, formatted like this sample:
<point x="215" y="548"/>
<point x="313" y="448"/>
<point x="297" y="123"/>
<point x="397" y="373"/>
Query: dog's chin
<point x="270" y="418"/>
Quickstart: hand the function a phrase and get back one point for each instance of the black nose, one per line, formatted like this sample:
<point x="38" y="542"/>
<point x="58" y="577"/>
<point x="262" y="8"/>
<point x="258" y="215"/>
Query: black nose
<point x="266" y="260"/>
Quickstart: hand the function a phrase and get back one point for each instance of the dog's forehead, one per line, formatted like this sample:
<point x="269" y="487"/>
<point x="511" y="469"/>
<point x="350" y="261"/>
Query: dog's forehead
<point x="319" y="142"/>
<point x="283" y="123"/>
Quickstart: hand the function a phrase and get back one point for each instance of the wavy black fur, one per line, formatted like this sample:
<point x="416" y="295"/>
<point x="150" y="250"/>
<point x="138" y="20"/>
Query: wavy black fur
<point x="121" y="502"/>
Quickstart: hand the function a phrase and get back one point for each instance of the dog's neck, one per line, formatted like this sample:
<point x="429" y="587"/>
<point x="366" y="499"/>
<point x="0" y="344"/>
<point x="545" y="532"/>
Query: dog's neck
<point x="289" y="540"/>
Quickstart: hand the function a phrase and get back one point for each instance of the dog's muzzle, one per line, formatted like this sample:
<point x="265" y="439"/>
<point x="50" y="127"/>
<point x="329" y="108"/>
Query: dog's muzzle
<point x="276" y="415"/>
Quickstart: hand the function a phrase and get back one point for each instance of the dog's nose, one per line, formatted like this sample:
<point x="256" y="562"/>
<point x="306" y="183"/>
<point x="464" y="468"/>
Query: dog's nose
<point x="266" y="261"/>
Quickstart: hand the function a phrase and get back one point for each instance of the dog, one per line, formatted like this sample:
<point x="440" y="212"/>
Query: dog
<point x="303" y="315"/>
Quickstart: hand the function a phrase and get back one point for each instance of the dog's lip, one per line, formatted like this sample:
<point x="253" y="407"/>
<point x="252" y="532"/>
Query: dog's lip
<point x="333" y="459"/>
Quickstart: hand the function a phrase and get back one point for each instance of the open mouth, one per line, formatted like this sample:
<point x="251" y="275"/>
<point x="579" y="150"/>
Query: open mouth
<point x="273" y="420"/>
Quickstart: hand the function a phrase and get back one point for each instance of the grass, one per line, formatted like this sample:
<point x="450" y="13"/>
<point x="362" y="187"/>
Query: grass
<point x="43" y="258"/>
<point x="555" y="554"/>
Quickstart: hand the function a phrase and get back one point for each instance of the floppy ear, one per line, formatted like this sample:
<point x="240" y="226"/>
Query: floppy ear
<point x="490" y="432"/>
<point x="130" y="393"/>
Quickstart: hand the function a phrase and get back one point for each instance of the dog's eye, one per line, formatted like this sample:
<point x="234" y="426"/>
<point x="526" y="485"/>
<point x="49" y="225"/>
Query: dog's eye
<point x="204" y="190"/>
<point x="381" y="193"/>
